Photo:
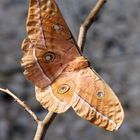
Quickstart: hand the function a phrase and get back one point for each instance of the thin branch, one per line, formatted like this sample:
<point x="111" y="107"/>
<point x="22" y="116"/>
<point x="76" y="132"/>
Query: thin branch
<point x="21" y="103"/>
<point x="44" y="125"/>
<point x="88" y="22"/>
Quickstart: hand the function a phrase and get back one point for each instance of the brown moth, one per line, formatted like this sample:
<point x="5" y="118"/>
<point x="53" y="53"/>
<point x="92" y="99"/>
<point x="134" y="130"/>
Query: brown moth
<point x="62" y="76"/>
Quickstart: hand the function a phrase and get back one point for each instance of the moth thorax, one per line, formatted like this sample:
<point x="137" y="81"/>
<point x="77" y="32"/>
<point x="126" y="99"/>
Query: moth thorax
<point x="77" y="64"/>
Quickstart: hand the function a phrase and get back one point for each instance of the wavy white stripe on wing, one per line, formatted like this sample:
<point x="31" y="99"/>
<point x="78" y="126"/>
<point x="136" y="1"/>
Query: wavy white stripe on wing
<point x="77" y="97"/>
<point x="44" y="75"/>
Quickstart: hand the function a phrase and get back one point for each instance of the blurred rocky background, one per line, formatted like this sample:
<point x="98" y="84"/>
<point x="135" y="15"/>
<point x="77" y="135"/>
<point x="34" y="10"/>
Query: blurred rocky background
<point x="113" y="47"/>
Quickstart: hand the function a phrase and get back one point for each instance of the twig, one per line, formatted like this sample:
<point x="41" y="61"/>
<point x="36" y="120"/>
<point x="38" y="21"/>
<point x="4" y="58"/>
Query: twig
<point x="44" y="125"/>
<point x="21" y="103"/>
<point x="88" y="22"/>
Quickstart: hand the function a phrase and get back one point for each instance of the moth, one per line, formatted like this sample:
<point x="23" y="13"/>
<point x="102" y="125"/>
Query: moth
<point x="62" y="76"/>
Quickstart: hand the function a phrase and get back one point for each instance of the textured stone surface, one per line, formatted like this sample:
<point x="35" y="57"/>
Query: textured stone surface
<point x="113" y="47"/>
